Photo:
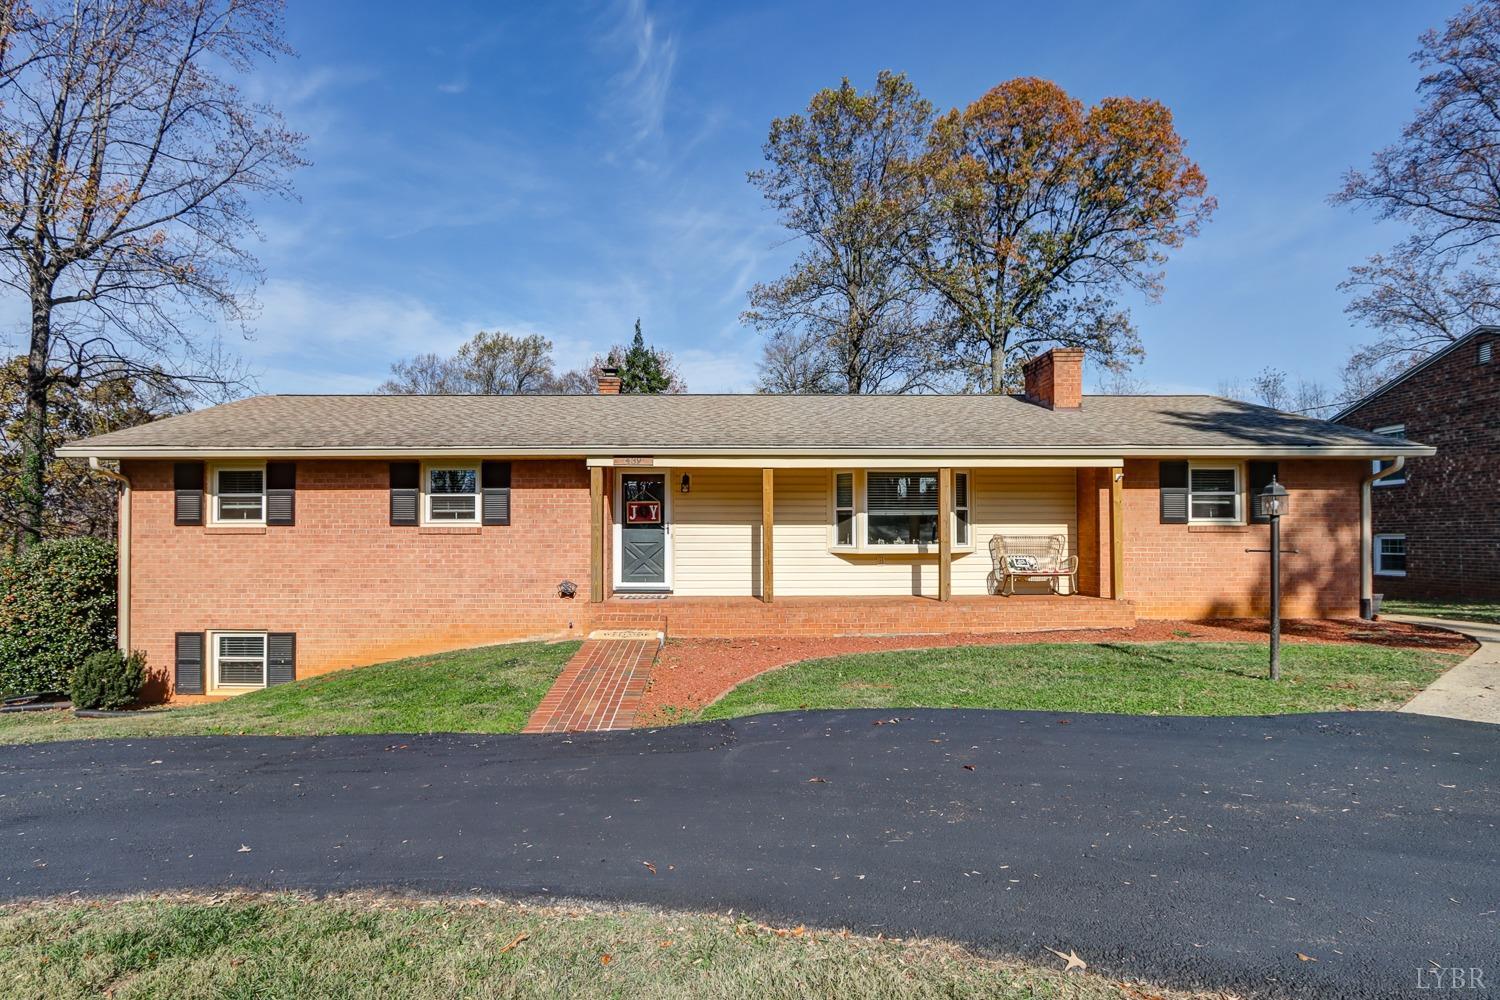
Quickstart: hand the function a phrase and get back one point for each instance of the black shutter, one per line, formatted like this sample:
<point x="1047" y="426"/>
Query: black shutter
<point x="281" y="493"/>
<point x="496" y="481"/>
<point x="1174" y="492"/>
<point x="187" y="481"/>
<point x="1261" y="474"/>
<point x="405" y="477"/>
<point x="188" y="678"/>
<point x="281" y="658"/>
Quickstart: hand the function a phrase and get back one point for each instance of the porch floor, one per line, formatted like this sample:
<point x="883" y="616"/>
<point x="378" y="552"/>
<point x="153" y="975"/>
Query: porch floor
<point x="734" y="617"/>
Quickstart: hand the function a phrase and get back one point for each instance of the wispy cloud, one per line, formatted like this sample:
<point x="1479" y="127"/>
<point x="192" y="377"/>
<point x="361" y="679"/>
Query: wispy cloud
<point x="453" y="87"/>
<point x="642" y="89"/>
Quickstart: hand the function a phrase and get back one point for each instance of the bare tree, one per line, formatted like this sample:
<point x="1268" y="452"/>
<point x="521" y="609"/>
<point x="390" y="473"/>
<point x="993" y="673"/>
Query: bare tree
<point x="424" y="375"/>
<point x="795" y="362"/>
<point x="1117" y="382"/>
<point x="492" y="364"/>
<point x="1442" y="178"/>
<point x="128" y="158"/>
<point x="841" y="179"/>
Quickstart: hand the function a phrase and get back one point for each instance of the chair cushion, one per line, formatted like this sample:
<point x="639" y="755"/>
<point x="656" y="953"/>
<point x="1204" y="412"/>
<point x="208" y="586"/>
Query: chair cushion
<point x="1022" y="564"/>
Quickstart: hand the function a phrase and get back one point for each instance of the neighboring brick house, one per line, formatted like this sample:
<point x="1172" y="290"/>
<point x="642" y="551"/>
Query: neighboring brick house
<point x="1437" y="521"/>
<point x="283" y="536"/>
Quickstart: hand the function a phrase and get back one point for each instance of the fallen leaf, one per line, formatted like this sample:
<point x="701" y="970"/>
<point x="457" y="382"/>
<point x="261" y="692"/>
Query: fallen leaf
<point x="970" y="767"/>
<point x="665" y="944"/>
<point x="519" y="938"/>
<point x="649" y="867"/>
<point x="821" y="781"/>
<point x="1064" y="722"/>
<point x="243" y="850"/>
<point x="1074" y="962"/>
<point x="606" y="959"/>
<point x="1305" y="958"/>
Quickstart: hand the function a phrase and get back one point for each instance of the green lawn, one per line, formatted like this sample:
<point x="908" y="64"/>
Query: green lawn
<point x="1139" y="678"/>
<point x="492" y="689"/>
<point x="1464" y="611"/>
<point x="281" y="946"/>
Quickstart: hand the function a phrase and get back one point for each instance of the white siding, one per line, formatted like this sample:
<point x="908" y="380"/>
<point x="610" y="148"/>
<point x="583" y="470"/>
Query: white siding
<point x="716" y="533"/>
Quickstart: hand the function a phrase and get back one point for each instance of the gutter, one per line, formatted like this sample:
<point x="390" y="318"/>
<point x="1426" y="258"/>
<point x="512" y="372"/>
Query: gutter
<point x="1367" y="539"/>
<point x="122" y="570"/>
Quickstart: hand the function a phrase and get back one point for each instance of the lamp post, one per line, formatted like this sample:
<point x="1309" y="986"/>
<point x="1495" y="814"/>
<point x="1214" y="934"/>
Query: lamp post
<point x="1274" y="503"/>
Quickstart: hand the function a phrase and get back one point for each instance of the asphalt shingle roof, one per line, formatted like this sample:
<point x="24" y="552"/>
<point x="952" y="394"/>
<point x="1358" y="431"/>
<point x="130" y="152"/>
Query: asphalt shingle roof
<point x="741" y="423"/>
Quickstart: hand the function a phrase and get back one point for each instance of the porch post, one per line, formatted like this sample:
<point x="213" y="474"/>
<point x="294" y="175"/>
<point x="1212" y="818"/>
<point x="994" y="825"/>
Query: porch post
<point x="945" y="534"/>
<point x="767" y="535"/>
<point x="1116" y="533"/>
<point x="596" y="534"/>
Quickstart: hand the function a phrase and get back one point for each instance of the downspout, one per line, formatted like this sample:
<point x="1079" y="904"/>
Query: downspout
<point x="122" y="571"/>
<point x="1366" y="539"/>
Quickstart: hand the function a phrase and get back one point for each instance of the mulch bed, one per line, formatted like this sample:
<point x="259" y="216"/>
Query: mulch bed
<point x="693" y="672"/>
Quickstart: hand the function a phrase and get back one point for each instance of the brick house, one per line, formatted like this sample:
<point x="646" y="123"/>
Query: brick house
<point x="1436" y="521"/>
<point x="283" y="536"/>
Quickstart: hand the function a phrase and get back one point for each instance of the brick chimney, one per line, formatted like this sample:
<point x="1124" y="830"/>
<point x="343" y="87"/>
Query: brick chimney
<point x="609" y="381"/>
<point x="1055" y="379"/>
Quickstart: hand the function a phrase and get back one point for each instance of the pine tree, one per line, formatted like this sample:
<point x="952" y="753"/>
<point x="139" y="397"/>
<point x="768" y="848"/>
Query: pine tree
<point x="643" y="369"/>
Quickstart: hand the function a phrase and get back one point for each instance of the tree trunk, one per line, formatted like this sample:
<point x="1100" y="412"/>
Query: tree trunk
<point x="997" y="367"/>
<point x="34" y="427"/>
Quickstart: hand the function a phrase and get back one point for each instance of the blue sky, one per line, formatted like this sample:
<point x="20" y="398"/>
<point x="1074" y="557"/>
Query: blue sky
<point x="566" y="168"/>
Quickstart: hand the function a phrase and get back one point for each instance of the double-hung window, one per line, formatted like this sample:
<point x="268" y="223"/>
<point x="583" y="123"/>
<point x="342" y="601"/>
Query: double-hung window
<point x="1396" y="479"/>
<point x="1390" y="555"/>
<point x="240" y="495"/>
<point x="239" y="659"/>
<point x="1214" y="494"/>
<point x="843" y="510"/>
<point x="452" y="494"/>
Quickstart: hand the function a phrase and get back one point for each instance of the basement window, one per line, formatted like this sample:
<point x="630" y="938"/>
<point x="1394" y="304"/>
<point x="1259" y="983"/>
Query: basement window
<point x="239" y="660"/>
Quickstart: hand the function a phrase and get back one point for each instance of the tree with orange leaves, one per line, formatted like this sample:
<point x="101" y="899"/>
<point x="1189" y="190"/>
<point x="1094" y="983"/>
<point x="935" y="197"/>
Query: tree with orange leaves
<point x="1044" y="213"/>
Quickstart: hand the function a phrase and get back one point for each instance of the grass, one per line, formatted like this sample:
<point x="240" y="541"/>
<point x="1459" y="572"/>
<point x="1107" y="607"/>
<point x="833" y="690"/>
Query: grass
<point x="1467" y="611"/>
<point x="361" y="947"/>
<point x="492" y="689"/>
<point x="1136" y="678"/>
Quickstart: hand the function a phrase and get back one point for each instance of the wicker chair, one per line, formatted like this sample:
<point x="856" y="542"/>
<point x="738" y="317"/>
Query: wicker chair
<point x="1034" y="558"/>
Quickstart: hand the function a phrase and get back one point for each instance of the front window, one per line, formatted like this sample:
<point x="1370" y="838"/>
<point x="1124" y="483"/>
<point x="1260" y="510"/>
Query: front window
<point x="843" y="509"/>
<point x="1214" y="494"/>
<point x="453" y="494"/>
<point x="240" y="496"/>
<point x="240" y="659"/>
<point x="1379" y="465"/>
<point x="1390" y="555"/>
<point x="902" y="508"/>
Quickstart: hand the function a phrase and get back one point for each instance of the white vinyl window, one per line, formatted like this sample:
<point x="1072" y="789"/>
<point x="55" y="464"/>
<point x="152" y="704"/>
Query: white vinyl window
<point x="1399" y="478"/>
<point x="452" y="494"/>
<point x="1390" y="555"/>
<point x="239" y="660"/>
<point x="879" y="511"/>
<point x="1214" y="494"/>
<point x="843" y="510"/>
<point x="239" y="495"/>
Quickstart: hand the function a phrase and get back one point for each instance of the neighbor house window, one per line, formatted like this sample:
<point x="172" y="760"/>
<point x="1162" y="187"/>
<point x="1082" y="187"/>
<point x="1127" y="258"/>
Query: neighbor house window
<point x="453" y="494"/>
<point x="1214" y="494"/>
<point x="239" y="659"/>
<point x="1486" y="352"/>
<point x="1390" y="555"/>
<point x="843" y="509"/>
<point x="1399" y="478"/>
<point x="240" y="495"/>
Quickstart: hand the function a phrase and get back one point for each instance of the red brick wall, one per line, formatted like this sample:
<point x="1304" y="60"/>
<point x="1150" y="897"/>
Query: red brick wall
<point x="1449" y="509"/>
<point x="1203" y="571"/>
<point x="353" y="588"/>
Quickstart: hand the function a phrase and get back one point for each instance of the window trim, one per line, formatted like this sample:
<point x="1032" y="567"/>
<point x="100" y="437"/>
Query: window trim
<point x="425" y="510"/>
<point x="862" y="544"/>
<point x="1399" y="479"/>
<point x="1238" y="468"/>
<point x="1375" y="553"/>
<point x="213" y="495"/>
<point x="214" y="686"/>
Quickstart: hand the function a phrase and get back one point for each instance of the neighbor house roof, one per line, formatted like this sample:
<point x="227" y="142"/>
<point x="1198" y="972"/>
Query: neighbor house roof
<point x="685" y="425"/>
<point x="1414" y="370"/>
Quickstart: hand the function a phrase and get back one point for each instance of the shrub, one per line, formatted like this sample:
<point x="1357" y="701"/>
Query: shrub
<point x="57" y="606"/>
<point x="108" y="679"/>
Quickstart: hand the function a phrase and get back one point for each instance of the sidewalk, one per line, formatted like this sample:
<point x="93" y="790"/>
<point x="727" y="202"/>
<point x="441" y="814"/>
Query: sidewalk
<point x="1470" y="690"/>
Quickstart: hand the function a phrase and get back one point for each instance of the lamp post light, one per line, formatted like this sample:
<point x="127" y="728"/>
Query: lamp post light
<point x="1274" y="502"/>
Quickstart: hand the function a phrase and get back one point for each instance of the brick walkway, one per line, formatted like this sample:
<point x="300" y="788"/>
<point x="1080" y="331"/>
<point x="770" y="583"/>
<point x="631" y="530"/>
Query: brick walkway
<point x="602" y="685"/>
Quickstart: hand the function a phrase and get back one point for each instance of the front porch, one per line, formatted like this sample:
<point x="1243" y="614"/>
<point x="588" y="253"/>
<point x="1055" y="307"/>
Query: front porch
<point x="743" y="617"/>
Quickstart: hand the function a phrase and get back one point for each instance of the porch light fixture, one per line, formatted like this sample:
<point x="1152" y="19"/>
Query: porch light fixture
<point x="567" y="589"/>
<point x="687" y="483"/>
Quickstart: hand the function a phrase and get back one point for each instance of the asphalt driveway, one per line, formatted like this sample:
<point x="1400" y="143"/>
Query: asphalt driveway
<point x="1188" y="851"/>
